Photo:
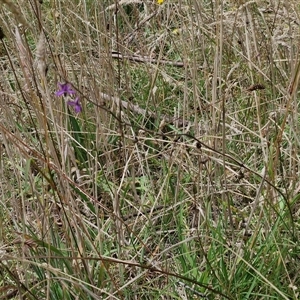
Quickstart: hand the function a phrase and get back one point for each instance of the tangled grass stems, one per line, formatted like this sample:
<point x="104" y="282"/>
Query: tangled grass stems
<point x="174" y="175"/>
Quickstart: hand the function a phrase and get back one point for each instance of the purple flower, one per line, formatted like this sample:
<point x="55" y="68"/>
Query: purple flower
<point x="76" y="105"/>
<point x="64" y="89"/>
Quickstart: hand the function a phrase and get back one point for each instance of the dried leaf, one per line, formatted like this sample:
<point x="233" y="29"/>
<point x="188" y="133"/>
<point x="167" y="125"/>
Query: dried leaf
<point x="255" y="87"/>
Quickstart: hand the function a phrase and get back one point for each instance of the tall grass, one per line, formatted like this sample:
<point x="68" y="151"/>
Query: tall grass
<point x="178" y="176"/>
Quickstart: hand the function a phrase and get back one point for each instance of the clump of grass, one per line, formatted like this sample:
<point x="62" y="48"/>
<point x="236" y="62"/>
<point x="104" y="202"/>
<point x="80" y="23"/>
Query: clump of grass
<point x="166" y="164"/>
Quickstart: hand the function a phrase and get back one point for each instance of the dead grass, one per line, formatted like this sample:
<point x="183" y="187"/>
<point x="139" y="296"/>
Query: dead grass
<point x="179" y="178"/>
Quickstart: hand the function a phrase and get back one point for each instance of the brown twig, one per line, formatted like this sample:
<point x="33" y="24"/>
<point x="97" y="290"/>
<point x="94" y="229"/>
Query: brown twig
<point x="146" y="59"/>
<point x="146" y="113"/>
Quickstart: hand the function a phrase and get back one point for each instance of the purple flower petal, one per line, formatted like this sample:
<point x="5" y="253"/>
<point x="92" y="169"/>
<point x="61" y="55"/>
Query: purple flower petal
<point x="76" y="105"/>
<point x="64" y="90"/>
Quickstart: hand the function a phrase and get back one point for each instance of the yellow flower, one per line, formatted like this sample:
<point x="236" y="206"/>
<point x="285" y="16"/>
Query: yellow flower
<point x="160" y="1"/>
<point x="176" y="31"/>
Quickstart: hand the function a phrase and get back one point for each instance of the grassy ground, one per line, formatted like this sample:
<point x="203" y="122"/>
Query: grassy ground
<point x="176" y="173"/>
